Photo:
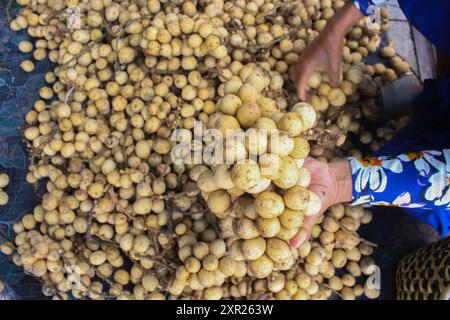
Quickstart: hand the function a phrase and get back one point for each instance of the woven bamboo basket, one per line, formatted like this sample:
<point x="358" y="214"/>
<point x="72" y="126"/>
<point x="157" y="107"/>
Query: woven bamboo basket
<point x="425" y="274"/>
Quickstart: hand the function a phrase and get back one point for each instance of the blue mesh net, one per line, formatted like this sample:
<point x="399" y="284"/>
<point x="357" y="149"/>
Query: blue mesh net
<point x="17" y="93"/>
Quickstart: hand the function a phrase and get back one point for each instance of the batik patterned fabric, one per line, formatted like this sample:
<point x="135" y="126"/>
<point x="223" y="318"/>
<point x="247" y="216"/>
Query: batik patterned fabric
<point x="409" y="180"/>
<point x="367" y="6"/>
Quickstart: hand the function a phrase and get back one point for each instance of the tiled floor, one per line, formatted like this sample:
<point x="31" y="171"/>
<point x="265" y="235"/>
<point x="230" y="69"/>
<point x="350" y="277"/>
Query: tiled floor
<point x="396" y="12"/>
<point x="410" y="44"/>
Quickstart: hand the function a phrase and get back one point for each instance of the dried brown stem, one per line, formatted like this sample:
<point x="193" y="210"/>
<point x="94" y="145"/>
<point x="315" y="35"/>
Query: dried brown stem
<point x="324" y="136"/>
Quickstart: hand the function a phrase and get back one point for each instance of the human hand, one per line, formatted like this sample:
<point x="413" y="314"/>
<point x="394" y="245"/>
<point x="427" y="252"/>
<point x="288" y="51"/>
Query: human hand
<point x="324" y="54"/>
<point x="332" y="182"/>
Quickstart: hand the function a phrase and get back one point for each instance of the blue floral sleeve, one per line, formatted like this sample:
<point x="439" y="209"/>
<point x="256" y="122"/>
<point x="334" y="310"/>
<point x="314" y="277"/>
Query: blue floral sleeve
<point x="409" y="180"/>
<point x="366" y="6"/>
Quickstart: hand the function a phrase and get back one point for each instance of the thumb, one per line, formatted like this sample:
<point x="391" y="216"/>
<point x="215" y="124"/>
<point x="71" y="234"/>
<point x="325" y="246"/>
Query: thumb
<point x="335" y="76"/>
<point x="302" y="73"/>
<point x="302" y="85"/>
<point x="305" y="231"/>
<point x="334" y="67"/>
<point x="303" y="235"/>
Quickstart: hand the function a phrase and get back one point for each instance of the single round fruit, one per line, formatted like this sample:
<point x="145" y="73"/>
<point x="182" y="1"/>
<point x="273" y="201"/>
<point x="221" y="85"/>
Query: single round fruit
<point x="269" y="204"/>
